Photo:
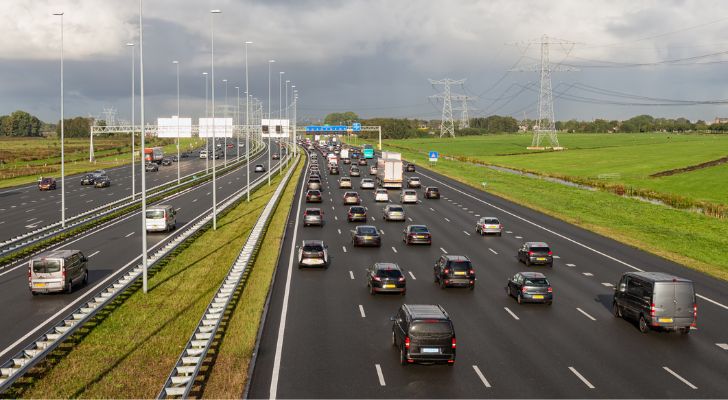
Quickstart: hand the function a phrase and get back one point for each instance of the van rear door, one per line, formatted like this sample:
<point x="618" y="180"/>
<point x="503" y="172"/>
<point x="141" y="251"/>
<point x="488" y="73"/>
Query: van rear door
<point x="674" y="302"/>
<point x="684" y="302"/>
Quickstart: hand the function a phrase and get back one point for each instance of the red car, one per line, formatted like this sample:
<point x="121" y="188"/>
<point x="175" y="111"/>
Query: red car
<point x="47" y="184"/>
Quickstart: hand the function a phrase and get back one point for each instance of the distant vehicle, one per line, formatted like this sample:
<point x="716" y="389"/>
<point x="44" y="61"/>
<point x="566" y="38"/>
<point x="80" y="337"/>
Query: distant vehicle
<point x="313" y="216"/>
<point x="166" y="161"/>
<point x="362" y="161"/>
<point x="87" y="179"/>
<point x="47" y="184"/>
<point x="413" y="182"/>
<point x="344" y="155"/>
<point x="314" y="196"/>
<point x="174" y="158"/>
<point x="356" y="213"/>
<point x="151" y="167"/>
<point x="366" y="235"/>
<point x="381" y="195"/>
<point x="334" y="170"/>
<point x="259" y="168"/>
<point x="389" y="170"/>
<point x="351" y="198"/>
<point x="153" y="154"/>
<point x="408" y="196"/>
<point x="57" y="271"/>
<point x="314" y="183"/>
<point x="386" y="278"/>
<point x="536" y="253"/>
<point x="102" y="182"/>
<point x="423" y="333"/>
<point x="346" y="161"/>
<point x="373" y="170"/>
<point x="417" y="234"/>
<point x="452" y="270"/>
<point x="313" y="253"/>
<point x="230" y="146"/>
<point x="161" y="218"/>
<point x="185" y="155"/>
<point x="393" y="212"/>
<point x="203" y="153"/>
<point x="274" y="156"/>
<point x="432" y="192"/>
<point x="530" y="287"/>
<point x="656" y="301"/>
<point x="354" y="171"/>
<point x="486" y="225"/>
<point x="410" y="167"/>
<point x="366" y="183"/>
<point x="344" y="183"/>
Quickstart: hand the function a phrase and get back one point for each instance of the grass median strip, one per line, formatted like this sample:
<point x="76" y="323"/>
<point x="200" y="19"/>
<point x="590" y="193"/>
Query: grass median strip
<point x="129" y="352"/>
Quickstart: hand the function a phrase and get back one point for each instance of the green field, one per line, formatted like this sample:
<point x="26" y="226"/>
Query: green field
<point x="628" y="159"/>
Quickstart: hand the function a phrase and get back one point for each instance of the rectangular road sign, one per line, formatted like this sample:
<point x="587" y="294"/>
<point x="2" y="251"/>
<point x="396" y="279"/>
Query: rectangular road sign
<point x="356" y="127"/>
<point x="434" y="156"/>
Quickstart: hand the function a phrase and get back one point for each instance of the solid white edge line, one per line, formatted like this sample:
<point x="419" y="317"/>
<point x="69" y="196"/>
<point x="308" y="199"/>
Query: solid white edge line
<point x="580" y="376"/>
<point x="512" y="313"/>
<point x="361" y="311"/>
<point x="683" y="380"/>
<point x="586" y="314"/>
<point x="380" y="375"/>
<point x="481" y="376"/>
<point x="286" y="294"/>
<point x="412" y="275"/>
<point x="560" y="235"/>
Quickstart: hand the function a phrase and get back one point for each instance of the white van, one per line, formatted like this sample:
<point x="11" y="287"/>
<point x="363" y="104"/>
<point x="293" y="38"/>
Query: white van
<point x="203" y="153"/>
<point x="57" y="271"/>
<point x="162" y="218"/>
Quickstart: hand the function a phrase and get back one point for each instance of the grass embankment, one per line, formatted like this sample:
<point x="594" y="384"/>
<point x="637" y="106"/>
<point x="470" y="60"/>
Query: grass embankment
<point x="23" y="160"/>
<point x="691" y="239"/>
<point x="128" y="353"/>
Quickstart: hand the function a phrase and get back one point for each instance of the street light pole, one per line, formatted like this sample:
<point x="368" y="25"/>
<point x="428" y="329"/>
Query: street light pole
<point x="288" y="122"/>
<point x="133" y="128"/>
<point x="176" y="63"/>
<point x="63" y="153"/>
<point x="141" y="123"/>
<point x="225" y="81"/>
<point x="212" y="76"/>
<point x="295" y="137"/>
<point x="237" y="123"/>
<point x="280" y="116"/>
<point x="207" y="138"/>
<point x="247" y="122"/>
<point x="269" y="132"/>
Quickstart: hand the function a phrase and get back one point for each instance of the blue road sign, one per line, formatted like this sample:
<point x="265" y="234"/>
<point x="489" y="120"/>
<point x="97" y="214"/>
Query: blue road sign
<point x="434" y="156"/>
<point x="332" y="128"/>
<point x="356" y="127"/>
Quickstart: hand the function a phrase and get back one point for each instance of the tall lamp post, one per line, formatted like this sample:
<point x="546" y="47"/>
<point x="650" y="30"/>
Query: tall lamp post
<point x="63" y="153"/>
<point x="288" y="122"/>
<point x="176" y="63"/>
<point x="133" y="128"/>
<point x="212" y="76"/>
<point x="280" y="114"/>
<point x="237" y="123"/>
<point x="295" y="137"/>
<point x="269" y="133"/>
<point x="225" y="114"/>
<point x="247" y="122"/>
<point x="207" y="115"/>
<point x="141" y="124"/>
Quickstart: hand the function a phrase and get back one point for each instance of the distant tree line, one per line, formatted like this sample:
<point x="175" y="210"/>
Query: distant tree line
<point x="75" y="127"/>
<point x="20" y="123"/>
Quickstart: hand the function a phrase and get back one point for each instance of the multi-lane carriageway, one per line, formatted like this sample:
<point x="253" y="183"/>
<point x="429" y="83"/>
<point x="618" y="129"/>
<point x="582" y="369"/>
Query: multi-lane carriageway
<point x="326" y="337"/>
<point x="111" y="250"/>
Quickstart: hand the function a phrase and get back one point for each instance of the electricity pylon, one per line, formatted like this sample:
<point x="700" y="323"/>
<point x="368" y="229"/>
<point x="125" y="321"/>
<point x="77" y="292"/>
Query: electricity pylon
<point x="447" y="125"/>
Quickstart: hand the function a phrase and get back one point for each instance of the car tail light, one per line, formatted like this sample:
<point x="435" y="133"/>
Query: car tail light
<point x="530" y="253"/>
<point x="551" y="253"/>
<point x="29" y="274"/>
<point x="500" y="226"/>
<point x="305" y="213"/>
<point x="446" y="271"/>
<point x="454" y="343"/>
<point x="695" y="315"/>
<point x="524" y="290"/>
<point x="64" y="274"/>
<point x="378" y="279"/>
<point x="401" y="278"/>
<point x="652" y="310"/>
<point x="550" y="290"/>
<point x="406" y="342"/>
<point x="471" y="272"/>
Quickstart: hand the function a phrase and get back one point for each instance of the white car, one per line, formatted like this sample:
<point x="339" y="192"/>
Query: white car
<point x="381" y="195"/>
<point x="344" y="183"/>
<point x="408" y="196"/>
<point x="203" y="153"/>
<point x="414" y="182"/>
<point x="367" y="183"/>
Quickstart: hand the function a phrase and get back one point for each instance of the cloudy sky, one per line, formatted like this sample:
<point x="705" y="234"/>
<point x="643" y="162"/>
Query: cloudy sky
<point x="372" y="56"/>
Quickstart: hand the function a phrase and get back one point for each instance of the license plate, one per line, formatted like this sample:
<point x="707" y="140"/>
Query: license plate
<point x="665" y="319"/>
<point x="541" y="258"/>
<point x="538" y="296"/>
<point x="491" y="227"/>
<point x="460" y="273"/>
<point x="389" y="286"/>
<point x="419" y="237"/>
<point x="39" y="285"/>
<point x="430" y="350"/>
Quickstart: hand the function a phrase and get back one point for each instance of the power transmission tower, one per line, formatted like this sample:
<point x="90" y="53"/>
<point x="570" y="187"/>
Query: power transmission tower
<point x="110" y="113"/>
<point x="546" y="123"/>
<point x="447" y="125"/>
<point x="464" y="109"/>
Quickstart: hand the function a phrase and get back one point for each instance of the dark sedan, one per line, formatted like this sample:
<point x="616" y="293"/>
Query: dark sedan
<point x="151" y="167"/>
<point x="530" y="287"/>
<point x="102" y="182"/>
<point x="314" y="196"/>
<point x="87" y="179"/>
<point x="166" y="161"/>
<point x="366" y="235"/>
<point x="357" y="213"/>
<point x="386" y="277"/>
<point x="414" y="234"/>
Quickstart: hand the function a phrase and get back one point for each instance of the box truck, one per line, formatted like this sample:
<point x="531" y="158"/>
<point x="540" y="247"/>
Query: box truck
<point x="389" y="170"/>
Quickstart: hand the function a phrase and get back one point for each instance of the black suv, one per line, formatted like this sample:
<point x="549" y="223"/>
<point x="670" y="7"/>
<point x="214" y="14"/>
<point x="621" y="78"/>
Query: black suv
<point x="453" y="270"/>
<point x="386" y="278"/>
<point x="432" y="192"/>
<point x="423" y="333"/>
<point x="536" y="253"/>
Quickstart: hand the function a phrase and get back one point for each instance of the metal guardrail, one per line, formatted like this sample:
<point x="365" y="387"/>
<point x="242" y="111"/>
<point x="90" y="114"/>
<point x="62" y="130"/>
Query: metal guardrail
<point x="38" y="349"/>
<point x="19" y="242"/>
<point x="180" y="380"/>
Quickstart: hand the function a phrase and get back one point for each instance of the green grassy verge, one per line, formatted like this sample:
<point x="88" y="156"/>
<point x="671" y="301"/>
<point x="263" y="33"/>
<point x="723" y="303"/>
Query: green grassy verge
<point x="129" y="349"/>
<point x="691" y="239"/>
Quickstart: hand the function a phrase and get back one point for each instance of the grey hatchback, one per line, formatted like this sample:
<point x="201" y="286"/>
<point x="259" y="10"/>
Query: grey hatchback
<point x="313" y="216"/>
<point x="536" y="253"/>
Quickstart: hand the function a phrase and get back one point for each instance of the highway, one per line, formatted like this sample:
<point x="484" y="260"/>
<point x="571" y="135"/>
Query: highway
<point x="111" y="250"/>
<point x="25" y="208"/>
<point x="326" y="337"/>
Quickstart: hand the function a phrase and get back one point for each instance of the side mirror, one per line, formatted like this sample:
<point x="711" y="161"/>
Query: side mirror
<point x="392" y="319"/>
<point x="622" y="287"/>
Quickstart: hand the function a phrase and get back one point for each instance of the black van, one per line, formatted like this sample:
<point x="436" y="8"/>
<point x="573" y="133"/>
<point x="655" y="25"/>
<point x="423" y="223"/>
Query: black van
<point x="656" y="301"/>
<point x="425" y="334"/>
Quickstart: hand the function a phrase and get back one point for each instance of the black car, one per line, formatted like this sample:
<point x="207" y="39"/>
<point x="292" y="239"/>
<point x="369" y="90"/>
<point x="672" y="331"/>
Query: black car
<point x="362" y="161"/>
<point x="432" y="192"/>
<point x="313" y="253"/>
<point x="102" y="182"/>
<point x="536" y="253"/>
<point x="166" y="161"/>
<point x="174" y="158"/>
<point x="334" y="170"/>
<point x="185" y="155"/>
<point x="357" y="213"/>
<point x="366" y="235"/>
<point x="417" y="234"/>
<point x="151" y="167"/>
<point x="410" y="168"/>
<point x="314" y="196"/>
<point x="347" y="161"/>
<point x="451" y="270"/>
<point x="424" y="333"/>
<point x="531" y="287"/>
<point x="386" y="278"/>
<point x="87" y="179"/>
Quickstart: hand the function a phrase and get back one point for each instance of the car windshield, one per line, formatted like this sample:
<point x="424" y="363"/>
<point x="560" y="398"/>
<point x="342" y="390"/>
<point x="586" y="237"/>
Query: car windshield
<point x="381" y="191"/>
<point x="313" y="212"/>
<point x="415" y="179"/>
<point x="358" y="210"/>
<point x="366" y="230"/>
<point x="459" y="265"/>
<point x="46" y="180"/>
<point x="312" y="247"/>
<point x="46" y="266"/>
<point x="419" y="229"/>
<point x="540" y="249"/>
<point x="431" y="327"/>
<point x="395" y="209"/>
<point x="389" y="272"/>
<point x="155" y="214"/>
<point x="536" y="282"/>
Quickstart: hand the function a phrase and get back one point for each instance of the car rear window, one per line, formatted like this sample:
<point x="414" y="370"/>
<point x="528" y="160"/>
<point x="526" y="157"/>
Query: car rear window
<point x="395" y="209"/>
<point x="410" y="192"/>
<point x="358" y="209"/>
<point x="155" y="214"/>
<point x="540" y="249"/>
<point x="313" y="212"/>
<point x="459" y="265"/>
<point x="46" y="266"/>
<point x="313" y="247"/>
<point x="431" y="328"/>
<point x="419" y="229"/>
<point x="389" y="273"/>
<point x="367" y="230"/>
<point x="314" y="192"/>
<point x="493" y="221"/>
<point x="536" y="282"/>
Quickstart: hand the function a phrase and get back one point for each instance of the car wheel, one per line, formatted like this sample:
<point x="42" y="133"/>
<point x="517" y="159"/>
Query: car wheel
<point x="644" y="328"/>
<point x="508" y="291"/>
<point x="616" y="311"/>
<point x="69" y="287"/>
<point x="500" y="234"/>
<point x="371" y="290"/>
<point x="442" y="284"/>
<point x="685" y="330"/>
<point x="394" y="339"/>
<point x="551" y="265"/>
<point x="519" y="299"/>
<point x="33" y="293"/>
<point x="402" y="356"/>
<point x="85" y="278"/>
<point x="472" y="287"/>
<point x="528" y="262"/>
<point x="550" y="302"/>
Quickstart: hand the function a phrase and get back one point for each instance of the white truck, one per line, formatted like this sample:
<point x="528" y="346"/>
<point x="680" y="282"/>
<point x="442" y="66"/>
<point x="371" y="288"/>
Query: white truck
<point x="332" y="159"/>
<point x="344" y="153"/>
<point x="389" y="170"/>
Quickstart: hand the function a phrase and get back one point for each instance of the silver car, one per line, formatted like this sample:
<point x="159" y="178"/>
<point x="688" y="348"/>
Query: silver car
<point x="414" y="182"/>
<point x="488" y="225"/>
<point x="408" y="196"/>
<point x="394" y="212"/>
<point x="366" y="183"/>
<point x="313" y="216"/>
<point x="373" y="170"/>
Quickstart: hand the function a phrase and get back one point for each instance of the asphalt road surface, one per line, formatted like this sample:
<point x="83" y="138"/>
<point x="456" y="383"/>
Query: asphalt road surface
<point x="326" y="337"/>
<point x="111" y="251"/>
